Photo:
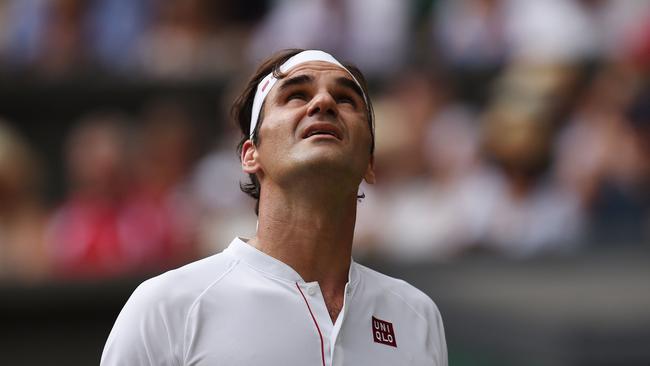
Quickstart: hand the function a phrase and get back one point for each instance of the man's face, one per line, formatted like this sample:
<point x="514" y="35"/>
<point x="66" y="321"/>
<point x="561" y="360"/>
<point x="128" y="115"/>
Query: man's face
<point x="315" y="122"/>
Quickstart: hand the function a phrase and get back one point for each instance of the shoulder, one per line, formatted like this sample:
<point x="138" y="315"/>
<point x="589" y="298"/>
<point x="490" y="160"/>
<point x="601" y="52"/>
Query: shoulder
<point x="150" y="329"/>
<point x="412" y="305"/>
<point x="401" y="291"/>
<point x="182" y="286"/>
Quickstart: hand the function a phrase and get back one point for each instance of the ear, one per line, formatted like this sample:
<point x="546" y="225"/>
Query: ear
<point x="249" y="161"/>
<point x="369" y="176"/>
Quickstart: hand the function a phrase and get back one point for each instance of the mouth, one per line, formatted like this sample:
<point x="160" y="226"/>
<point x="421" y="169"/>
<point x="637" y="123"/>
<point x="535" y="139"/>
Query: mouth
<point x="322" y="130"/>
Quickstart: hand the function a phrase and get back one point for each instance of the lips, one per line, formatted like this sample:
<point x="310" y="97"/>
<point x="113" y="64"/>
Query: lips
<point x="322" y="129"/>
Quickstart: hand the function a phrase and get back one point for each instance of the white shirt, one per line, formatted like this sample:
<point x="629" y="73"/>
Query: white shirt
<point x="244" y="307"/>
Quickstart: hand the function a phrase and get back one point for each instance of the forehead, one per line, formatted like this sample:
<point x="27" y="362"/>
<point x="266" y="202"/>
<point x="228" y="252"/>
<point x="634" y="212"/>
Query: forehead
<point x="318" y="70"/>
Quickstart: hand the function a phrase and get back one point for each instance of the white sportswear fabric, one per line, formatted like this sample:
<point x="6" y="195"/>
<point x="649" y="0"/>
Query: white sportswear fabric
<point x="243" y="307"/>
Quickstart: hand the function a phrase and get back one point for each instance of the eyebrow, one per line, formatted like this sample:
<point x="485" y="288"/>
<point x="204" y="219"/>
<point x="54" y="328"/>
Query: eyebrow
<point x="351" y="84"/>
<point x="306" y="79"/>
<point x="296" y="80"/>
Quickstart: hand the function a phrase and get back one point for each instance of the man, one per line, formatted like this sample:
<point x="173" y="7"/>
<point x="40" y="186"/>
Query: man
<point x="291" y="295"/>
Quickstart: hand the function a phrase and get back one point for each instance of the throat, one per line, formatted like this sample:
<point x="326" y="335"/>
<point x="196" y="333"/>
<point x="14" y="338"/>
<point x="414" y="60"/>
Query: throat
<point x="334" y="306"/>
<point x="334" y="313"/>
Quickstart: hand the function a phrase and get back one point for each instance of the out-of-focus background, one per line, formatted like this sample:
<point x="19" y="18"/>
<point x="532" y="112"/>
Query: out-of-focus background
<point x="513" y="162"/>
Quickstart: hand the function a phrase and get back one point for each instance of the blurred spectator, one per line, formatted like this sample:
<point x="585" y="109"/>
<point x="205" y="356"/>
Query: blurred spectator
<point x="85" y="237"/>
<point x="22" y="30"/>
<point x="47" y="36"/>
<point x="618" y="25"/>
<point x="426" y="145"/>
<point x="22" y="216"/>
<point x="4" y="32"/>
<point x="114" y="27"/>
<point x="128" y="210"/>
<point x="518" y="206"/>
<point x="638" y="114"/>
<point x="159" y="218"/>
<point x="595" y="142"/>
<point x="189" y="39"/>
<point x="603" y="157"/>
<point x="224" y="210"/>
<point x="470" y="33"/>
<point x="403" y="117"/>
<point x="550" y="31"/>
<point x="636" y="50"/>
<point x="371" y="33"/>
<point x="402" y="114"/>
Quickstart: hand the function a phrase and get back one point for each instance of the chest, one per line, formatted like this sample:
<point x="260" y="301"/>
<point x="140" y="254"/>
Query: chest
<point x="295" y="328"/>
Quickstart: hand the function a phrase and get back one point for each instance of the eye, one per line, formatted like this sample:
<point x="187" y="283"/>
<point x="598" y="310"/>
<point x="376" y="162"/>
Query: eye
<point x="296" y="95"/>
<point x="346" y="99"/>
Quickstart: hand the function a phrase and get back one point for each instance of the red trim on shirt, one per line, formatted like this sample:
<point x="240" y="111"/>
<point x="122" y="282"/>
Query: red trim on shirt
<point x="322" y="344"/>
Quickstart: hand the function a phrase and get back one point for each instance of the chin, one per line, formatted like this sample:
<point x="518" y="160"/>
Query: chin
<point x="323" y="160"/>
<point x="326" y="158"/>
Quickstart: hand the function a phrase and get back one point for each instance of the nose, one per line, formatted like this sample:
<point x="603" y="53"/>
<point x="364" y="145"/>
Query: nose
<point x="323" y="102"/>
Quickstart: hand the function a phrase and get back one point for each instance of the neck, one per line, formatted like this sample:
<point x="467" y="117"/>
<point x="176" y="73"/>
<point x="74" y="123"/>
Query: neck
<point x="312" y="233"/>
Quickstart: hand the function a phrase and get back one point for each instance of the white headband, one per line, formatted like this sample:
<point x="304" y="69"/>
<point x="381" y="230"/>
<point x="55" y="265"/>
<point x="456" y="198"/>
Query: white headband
<point x="265" y="86"/>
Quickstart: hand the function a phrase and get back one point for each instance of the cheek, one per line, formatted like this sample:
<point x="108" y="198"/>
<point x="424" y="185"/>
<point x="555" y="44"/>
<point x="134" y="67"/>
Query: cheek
<point x="276" y="138"/>
<point x="363" y="135"/>
<point x="282" y="122"/>
<point x="276" y="135"/>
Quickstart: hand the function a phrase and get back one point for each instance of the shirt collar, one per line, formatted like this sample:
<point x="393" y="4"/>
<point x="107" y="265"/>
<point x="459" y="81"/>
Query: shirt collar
<point x="272" y="266"/>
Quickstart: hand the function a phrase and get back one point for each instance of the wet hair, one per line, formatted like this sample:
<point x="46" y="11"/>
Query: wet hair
<point x="241" y="110"/>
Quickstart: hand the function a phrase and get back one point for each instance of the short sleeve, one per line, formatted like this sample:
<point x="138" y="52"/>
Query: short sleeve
<point x="142" y="333"/>
<point x="437" y="341"/>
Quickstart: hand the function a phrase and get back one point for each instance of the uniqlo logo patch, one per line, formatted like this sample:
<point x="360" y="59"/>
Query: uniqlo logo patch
<point x="383" y="332"/>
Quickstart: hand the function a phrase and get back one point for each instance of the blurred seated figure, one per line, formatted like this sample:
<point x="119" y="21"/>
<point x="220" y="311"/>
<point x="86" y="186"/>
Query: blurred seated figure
<point x="402" y="114"/>
<point x="426" y="146"/>
<point x="127" y="211"/>
<point x="22" y="216"/>
<point x="113" y="47"/>
<point x="223" y="209"/>
<point x="159" y="216"/>
<point x="551" y="31"/>
<point x="516" y="204"/>
<point x="188" y="39"/>
<point x="638" y="115"/>
<point x="371" y="33"/>
<point x="620" y="210"/>
<point x="4" y="30"/>
<point x="47" y="36"/>
<point x="470" y="33"/>
<point x="605" y="159"/>
<point x="85" y="235"/>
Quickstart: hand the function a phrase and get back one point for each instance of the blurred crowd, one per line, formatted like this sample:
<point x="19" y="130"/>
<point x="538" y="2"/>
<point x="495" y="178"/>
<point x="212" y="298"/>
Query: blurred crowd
<point x="520" y="128"/>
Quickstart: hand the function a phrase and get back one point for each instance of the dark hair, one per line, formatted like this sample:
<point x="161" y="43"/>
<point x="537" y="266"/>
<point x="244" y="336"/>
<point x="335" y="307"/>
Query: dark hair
<point x="242" y="107"/>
